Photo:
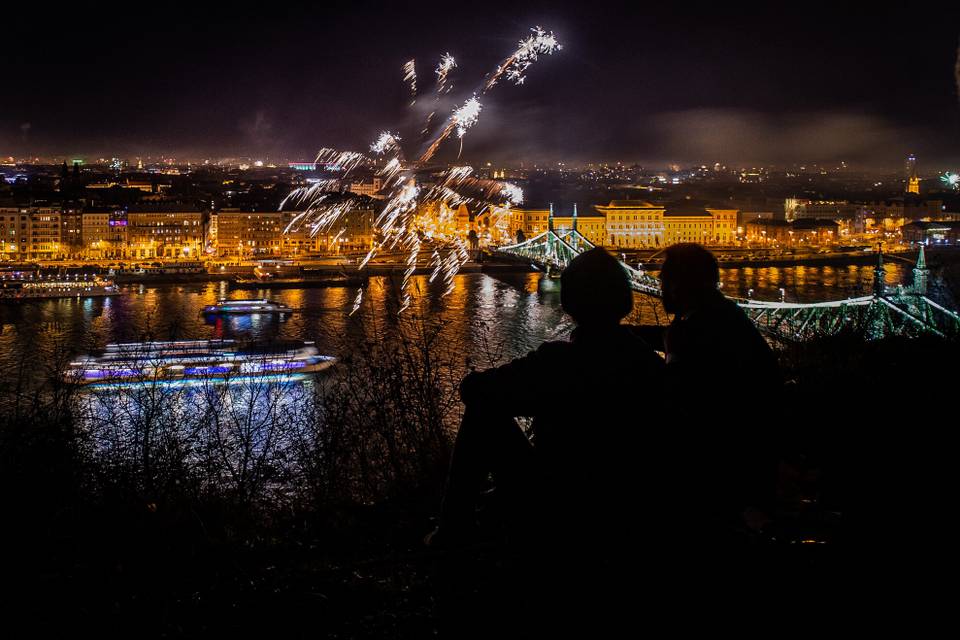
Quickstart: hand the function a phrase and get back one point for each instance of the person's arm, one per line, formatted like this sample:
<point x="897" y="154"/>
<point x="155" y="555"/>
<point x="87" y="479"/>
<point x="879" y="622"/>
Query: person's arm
<point x="518" y="387"/>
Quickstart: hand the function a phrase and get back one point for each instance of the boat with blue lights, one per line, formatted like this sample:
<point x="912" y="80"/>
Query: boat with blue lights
<point x="246" y="307"/>
<point x="203" y="360"/>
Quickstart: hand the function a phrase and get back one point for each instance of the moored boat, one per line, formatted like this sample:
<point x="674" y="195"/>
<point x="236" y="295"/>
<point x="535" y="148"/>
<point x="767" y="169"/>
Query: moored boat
<point x="22" y="287"/>
<point x="213" y="360"/>
<point x="246" y="306"/>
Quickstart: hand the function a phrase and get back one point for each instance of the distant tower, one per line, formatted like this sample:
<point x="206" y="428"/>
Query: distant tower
<point x="879" y="273"/>
<point x="574" y="216"/>
<point x="550" y="218"/>
<point x="920" y="274"/>
<point x="913" y="182"/>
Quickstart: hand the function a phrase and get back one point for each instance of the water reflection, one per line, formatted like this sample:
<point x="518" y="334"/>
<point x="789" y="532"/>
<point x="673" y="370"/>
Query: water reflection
<point x="517" y="311"/>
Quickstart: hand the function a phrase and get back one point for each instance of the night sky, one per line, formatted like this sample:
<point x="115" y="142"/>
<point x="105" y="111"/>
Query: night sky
<point x="633" y="83"/>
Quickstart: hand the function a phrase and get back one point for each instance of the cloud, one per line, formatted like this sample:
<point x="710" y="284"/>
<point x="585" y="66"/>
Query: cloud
<point x="745" y="136"/>
<point x="25" y="131"/>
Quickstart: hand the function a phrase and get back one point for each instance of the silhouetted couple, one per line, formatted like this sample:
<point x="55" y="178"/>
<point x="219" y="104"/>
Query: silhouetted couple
<point x="626" y="447"/>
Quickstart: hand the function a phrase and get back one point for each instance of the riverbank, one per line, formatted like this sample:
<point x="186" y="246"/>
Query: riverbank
<point x="491" y="265"/>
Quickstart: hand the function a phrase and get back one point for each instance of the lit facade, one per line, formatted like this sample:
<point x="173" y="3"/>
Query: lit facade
<point x="353" y="232"/>
<point x="164" y="234"/>
<point x="633" y="224"/>
<point x="71" y="232"/>
<point x="806" y="231"/>
<point x="592" y="227"/>
<point x="249" y="234"/>
<point x="13" y="232"/>
<point x="371" y="189"/>
<point x="43" y="239"/>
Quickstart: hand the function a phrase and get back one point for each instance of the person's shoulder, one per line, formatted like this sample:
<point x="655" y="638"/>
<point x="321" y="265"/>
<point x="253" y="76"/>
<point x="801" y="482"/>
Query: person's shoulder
<point x="554" y="349"/>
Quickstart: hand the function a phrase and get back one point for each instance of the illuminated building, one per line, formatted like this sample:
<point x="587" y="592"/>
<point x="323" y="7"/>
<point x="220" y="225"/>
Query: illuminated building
<point x="297" y="242"/>
<point x="815" y="231"/>
<point x="146" y="187"/>
<point x="166" y="230"/>
<point x="530" y="221"/>
<point x="249" y="234"/>
<point x="768" y="231"/>
<point x="591" y="226"/>
<point x="104" y="233"/>
<point x="11" y="233"/>
<point x="353" y="232"/>
<point x="927" y="232"/>
<point x="691" y="222"/>
<point x="43" y="234"/>
<point x="371" y="189"/>
<point x="633" y="224"/>
<point x="913" y="182"/>
<point x="637" y="224"/>
<point x="71" y="232"/>
<point x="805" y="231"/>
<point x="832" y="209"/>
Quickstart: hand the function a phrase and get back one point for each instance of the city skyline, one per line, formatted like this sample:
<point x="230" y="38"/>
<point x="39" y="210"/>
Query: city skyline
<point x="788" y="88"/>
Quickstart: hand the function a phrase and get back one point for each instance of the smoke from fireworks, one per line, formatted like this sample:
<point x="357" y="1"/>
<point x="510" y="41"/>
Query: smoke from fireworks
<point x="327" y="204"/>
<point x="956" y="71"/>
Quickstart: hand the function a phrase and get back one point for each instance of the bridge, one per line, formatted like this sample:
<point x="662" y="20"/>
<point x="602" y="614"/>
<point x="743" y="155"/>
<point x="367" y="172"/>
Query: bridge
<point x="900" y="311"/>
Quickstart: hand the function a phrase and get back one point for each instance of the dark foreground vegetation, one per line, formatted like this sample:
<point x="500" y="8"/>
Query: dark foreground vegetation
<point x="184" y="513"/>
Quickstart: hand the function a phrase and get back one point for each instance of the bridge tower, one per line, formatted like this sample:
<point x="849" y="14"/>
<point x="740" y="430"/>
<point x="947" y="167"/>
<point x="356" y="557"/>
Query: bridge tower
<point x="920" y="274"/>
<point x="551" y="248"/>
<point x="879" y="285"/>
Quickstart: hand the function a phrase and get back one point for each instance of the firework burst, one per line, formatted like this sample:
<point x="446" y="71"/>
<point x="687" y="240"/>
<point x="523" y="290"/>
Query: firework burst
<point x="410" y="188"/>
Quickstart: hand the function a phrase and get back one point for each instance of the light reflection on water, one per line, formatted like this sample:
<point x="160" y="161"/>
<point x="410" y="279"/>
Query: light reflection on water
<point x="515" y="311"/>
<point x="486" y="319"/>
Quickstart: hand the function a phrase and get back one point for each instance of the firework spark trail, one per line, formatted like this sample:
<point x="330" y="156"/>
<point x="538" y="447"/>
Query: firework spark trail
<point x="410" y="76"/>
<point x="414" y="245"/>
<point x="405" y="304"/>
<point x="426" y="125"/>
<point x="345" y="161"/>
<point x="437" y="263"/>
<point x="455" y="259"/>
<point x="528" y="51"/>
<point x="447" y="64"/>
<point x="398" y="226"/>
<point x="357" y="301"/>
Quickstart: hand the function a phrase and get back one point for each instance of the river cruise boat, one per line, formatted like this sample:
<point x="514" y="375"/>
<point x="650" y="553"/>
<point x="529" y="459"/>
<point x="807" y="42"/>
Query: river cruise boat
<point x="22" y="287"/>
<point x="246" y="307"/>
<point x="213" y="360"/>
